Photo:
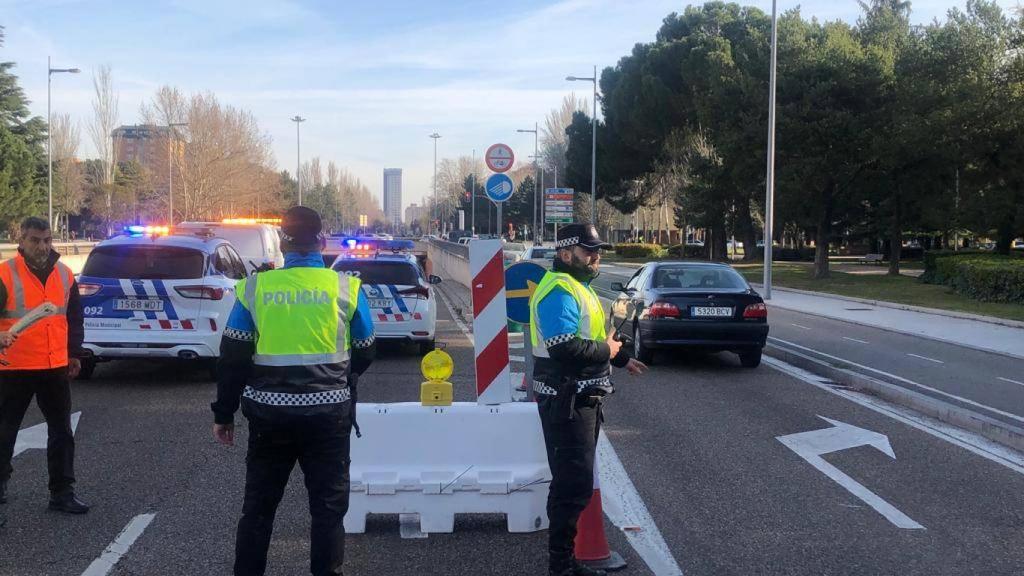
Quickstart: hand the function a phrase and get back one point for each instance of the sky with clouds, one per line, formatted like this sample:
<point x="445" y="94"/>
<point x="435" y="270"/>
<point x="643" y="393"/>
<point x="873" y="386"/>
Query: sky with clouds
<point x="372" y="78"/>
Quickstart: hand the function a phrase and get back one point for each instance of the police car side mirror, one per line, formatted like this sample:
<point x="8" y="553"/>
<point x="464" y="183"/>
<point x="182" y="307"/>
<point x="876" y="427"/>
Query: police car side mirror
<point x="434" y="279"/>
<point x="617" y="287"/>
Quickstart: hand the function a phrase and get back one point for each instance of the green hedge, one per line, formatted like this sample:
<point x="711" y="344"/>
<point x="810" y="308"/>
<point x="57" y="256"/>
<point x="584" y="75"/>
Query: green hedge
<point x="940" y="265"/>
<point x="639" y="250"/>
<point x="990" y="279"/>
<point x="690" y="251"/>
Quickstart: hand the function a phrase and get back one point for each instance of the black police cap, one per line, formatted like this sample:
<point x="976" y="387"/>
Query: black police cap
<point x="581" y="234"/>
<point x="301" y="226"/>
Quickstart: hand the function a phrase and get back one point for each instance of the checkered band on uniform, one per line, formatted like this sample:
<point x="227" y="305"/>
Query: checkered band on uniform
<point x="560" y="339"/>
<point x="364" y="343"/>
<point x="236" y="334"/>
<point x="285" y="399"/>
<point x="567" y="242"/>
<point x="545" y="390"/>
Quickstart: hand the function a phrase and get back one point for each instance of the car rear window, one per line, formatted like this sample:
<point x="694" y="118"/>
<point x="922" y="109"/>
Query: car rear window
<point x="378" y="272"/>
<point x="542" y="253"/>
<point x="144" y="262"/>
<point x="697" y="278"/>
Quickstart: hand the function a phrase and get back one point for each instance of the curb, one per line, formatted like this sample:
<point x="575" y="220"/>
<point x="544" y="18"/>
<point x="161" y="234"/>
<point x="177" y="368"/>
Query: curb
<point x="907" y="307"/>
<point x="995" y="430"/>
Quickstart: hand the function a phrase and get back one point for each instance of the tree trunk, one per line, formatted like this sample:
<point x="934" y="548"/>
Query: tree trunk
<point x="747" y="232"/>
<point x="822" y="237"/>
<point x="1004" y="235"/>
<point x="896" y="234"/>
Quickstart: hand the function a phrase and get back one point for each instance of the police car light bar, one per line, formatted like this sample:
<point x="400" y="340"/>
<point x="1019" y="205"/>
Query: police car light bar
<point x="274" y="221"/>
<point x="139" y="230"/>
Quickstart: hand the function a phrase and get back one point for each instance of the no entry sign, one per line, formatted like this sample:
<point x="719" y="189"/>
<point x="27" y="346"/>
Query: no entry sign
<point x="499" y="158"/>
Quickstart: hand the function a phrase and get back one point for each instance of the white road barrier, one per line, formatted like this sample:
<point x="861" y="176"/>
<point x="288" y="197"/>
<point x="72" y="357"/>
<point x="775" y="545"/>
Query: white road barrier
<point x="439" y="461"/>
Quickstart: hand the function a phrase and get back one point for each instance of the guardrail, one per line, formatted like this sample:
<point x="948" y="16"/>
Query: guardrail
<point x="64" y="248"/>
<point x="451" y="258"/>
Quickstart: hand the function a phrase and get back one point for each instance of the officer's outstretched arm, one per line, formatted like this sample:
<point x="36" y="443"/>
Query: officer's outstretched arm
<point x="364" y="346"/>
<point x="235" y="363"/>
<point x="558" y="324"/>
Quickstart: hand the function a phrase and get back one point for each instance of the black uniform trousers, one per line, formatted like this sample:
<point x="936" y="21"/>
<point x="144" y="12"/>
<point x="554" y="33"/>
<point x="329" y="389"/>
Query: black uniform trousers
<point x="52" y="390"/>
<point x="320" y="444"/>
<point x="570" y="444"/>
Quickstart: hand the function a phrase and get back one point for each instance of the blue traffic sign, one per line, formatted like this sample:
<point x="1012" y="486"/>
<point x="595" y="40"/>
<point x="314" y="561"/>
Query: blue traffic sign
<point x="521" y="280"/>
<point x="499" y="187"/>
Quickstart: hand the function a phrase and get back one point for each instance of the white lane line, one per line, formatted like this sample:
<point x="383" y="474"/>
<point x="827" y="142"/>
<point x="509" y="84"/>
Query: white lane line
<point x="799" y="326"/>
<point x="409" y="526"/>
<point x="856" y="340"/>
<point x="516" y="345"/>
<point x="517" y="358"/>
<point x="119" y="547"/>
<point x="902" y="379"/>
<point x="625" y="508"/>
<point x="968" y="440"/>
<point x="34" y="437"/>
<point x="926" y="358"/>
<point x="455" y="318"/>
<point x="1010" y="381"/>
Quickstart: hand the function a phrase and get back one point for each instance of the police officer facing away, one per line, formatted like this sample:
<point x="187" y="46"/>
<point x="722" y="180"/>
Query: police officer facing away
<point x="293" y="343"/>
<point x="572" y="357"/>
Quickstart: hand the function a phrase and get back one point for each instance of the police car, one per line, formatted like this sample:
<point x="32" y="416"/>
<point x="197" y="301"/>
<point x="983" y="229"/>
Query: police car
<point x="152" y="294"/>
<point x="402" y="301"/>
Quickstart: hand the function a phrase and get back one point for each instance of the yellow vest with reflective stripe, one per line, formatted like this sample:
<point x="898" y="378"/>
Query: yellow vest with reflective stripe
<point x="591" y="326"/>
<point x="302" y="315"/>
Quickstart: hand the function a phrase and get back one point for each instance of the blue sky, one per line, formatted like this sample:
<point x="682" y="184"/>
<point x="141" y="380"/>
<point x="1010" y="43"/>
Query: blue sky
<point x="372" y="78"/>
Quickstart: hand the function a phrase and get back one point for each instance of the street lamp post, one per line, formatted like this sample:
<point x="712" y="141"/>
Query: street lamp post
<point x="593" y="144"/>
<point x="435" y="136"/>
<point x="298" y="155"/>
<point x="769" y="209"/>
<point x="49" y="131"/>
<point x="536" y="177"/>
<point x="170" y="173"/>
<point x="472" y="194"/>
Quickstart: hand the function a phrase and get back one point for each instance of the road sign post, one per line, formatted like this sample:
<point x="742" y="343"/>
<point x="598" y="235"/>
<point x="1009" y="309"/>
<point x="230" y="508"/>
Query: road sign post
<point x="558" y="203"/>
<point x="521" y="279"/>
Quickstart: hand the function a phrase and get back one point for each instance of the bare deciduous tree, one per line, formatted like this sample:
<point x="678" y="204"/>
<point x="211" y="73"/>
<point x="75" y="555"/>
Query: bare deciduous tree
<point x="104" y="120"/>
<point x="68" y="192"/>
<point x="553" y="140"/>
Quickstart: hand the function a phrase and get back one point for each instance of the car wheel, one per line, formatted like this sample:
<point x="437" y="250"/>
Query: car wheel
<point x="751" y="358"/>
<point x="641" y="352"/>
<point x="88" y="366"/>
<point x="426" y="347"/>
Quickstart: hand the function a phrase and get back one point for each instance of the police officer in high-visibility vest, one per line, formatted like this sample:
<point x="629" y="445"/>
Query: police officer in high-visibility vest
<point x="295" y="342"/>
<point x="42" y="359"/>
<point x="573" y="354"/>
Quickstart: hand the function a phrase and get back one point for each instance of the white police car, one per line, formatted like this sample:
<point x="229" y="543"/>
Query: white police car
<point x="402" y="301"/>
<point x="148" y="294"/>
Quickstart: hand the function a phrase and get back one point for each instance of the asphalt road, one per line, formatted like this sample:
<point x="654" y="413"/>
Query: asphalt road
<point x="698" y="437"/>
<point x="986" y="382"/>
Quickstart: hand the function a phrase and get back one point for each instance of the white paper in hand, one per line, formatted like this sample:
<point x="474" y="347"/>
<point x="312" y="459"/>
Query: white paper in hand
<point x="35" y="315"/>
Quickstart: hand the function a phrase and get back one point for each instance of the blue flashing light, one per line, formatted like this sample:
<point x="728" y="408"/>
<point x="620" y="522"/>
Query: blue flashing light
<point x="351" y="242"/>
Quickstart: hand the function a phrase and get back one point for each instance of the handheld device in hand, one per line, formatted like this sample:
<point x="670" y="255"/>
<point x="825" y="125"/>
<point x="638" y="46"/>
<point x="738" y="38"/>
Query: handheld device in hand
<point x="35" y="315"/>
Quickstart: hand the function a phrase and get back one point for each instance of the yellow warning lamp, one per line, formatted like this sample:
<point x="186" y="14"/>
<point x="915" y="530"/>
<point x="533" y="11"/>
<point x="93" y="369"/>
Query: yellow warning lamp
<point x="437" y="367"/>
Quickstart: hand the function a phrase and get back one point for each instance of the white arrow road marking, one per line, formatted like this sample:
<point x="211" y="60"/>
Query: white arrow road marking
<point x="34" y="437"/>
<point x="624" y="507"/>
<point x="119" y="547"/>
<point x="812" y="445"/>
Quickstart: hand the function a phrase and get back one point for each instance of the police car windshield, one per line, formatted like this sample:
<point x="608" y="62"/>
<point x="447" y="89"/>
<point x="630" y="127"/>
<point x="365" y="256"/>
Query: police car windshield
<point x="380" y="271"/>
<point x="144" y="262"/>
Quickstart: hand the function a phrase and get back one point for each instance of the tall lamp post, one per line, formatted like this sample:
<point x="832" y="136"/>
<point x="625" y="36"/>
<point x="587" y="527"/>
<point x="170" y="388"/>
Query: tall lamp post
<point x="49" y="131"/>
<point x="769" y="209"/>
<point x="536" y="178"/>
<point x="170" y="173"/>
<point x="472" y="195"/>
<point x="435" y="136"/>
<point x="298" y="155"/>
<point x="593" y="144"/>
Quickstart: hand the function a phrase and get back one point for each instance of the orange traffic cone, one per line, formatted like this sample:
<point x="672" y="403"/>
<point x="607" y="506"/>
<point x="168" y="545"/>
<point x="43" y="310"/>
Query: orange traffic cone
<point x="591" y="544"/>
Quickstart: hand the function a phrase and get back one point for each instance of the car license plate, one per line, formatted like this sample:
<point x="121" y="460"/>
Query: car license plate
<point x="137" y="304"/>
<point x="711" y="311"/>
<point x="381" y="302"/>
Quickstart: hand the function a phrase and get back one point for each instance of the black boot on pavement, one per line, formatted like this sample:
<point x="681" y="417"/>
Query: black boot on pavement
<point x="68" y="504"/>
<point x="576" y="569"/>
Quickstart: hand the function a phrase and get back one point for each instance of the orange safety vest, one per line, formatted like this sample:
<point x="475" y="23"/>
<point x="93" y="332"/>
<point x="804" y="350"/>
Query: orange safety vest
<point x="43" y="345"/>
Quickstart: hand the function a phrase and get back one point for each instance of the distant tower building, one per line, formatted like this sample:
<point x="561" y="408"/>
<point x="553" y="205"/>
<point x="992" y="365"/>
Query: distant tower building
<point x="147" y="144"/>
<point x="393" y="196"/>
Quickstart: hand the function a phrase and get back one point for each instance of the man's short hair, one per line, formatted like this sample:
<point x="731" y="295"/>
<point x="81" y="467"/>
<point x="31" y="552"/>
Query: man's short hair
<point x="34" y="223"/>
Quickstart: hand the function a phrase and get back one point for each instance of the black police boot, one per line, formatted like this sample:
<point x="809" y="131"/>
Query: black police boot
<point x="575" y="568"/>
<point x="3" y="492"/>
<point x="68" y="503"/>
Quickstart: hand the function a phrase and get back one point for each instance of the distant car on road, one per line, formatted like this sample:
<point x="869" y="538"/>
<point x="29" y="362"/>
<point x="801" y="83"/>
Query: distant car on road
<point x="512" y="252"/>
<point x="539" y="253"/>
<point x="257" y="242"/>
<point x="700" y="305"/>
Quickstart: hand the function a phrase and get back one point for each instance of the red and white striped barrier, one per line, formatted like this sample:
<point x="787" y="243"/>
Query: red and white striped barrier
<point x="490" y="330"/>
